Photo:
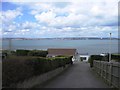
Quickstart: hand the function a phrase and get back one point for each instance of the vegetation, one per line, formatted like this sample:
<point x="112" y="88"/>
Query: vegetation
<point x="19" y="68"/>
<point x="40" y="53"/>
<point x="81" y="58"/>
<point x="21" y="52"/>
<point x="115" y="57"/>
<point x="94" y="57"/>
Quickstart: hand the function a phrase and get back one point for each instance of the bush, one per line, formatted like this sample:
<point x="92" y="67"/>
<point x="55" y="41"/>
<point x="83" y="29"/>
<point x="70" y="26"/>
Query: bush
<point x="13" y="52"/>
<point x="68" y="59"/>
<point x="7" y="53"/>
<point x="17" y="69"/>
<point x="40" y="53"/>
<point x="81" y="58"/>
<point x="22" y="52"/>
<point x="4" y="55"/>
<point x="115" y="57"/>
<point x="94" y="57"/>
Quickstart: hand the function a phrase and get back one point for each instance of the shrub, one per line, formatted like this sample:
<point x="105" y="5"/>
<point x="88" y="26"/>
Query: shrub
<point x="81" y="58"/>
<point x="68" y="59"/>
<point x="4" y="55"/>
<point x="39" y="53"/>
<point x="5" y="51"/>
<point x="17" y="69"/>
<point x="60" y="56"/>
<point x="22" y="52"/>
<point x="115" y="57"/>
<point x="13" y="52"/>
<point x="94" y="57"/>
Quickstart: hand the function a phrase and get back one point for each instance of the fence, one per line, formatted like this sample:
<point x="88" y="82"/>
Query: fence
<point x="109" y="71"/>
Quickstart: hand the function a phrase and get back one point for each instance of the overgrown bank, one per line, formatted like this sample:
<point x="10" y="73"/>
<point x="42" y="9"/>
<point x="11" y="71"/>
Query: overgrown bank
<point x="19" y="68"/>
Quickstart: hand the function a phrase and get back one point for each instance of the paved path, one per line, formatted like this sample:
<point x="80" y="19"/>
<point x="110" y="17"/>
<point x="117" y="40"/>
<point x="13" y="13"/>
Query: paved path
<point x="79" y="75"/>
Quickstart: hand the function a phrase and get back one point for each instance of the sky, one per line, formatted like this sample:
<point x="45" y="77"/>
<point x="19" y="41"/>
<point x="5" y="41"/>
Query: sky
<point x="52" y="19"/>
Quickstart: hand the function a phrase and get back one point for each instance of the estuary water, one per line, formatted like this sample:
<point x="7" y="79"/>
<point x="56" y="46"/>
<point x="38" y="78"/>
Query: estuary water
<point x="82" y="46"/>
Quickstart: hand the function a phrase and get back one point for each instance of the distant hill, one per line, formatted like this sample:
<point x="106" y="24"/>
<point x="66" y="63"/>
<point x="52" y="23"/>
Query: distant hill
<point x="65" y="38"/>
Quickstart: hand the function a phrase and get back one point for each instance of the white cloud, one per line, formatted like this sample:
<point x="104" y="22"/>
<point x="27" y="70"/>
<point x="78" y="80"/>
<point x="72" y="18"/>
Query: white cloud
<point x="24" y="30"/>
<point x="29" y="25"/>
<point x="59" y="1"/>
<point x="8" y="16"/>
<point x="96" y="11"/>
<point x="46" y="17"/>
<point x="82" y="18"/>
<point x="77" y="13"/>
<point x="11" y="27"/>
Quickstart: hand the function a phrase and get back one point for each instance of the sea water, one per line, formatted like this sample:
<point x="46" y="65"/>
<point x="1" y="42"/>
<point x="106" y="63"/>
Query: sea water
<point x="82" y="46"/>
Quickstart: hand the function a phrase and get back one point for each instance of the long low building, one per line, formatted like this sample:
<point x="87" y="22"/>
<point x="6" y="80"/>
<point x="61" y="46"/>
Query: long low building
<point x="52" y="52"/>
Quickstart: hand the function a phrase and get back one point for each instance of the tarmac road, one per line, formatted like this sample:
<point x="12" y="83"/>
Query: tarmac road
<point x="79" y="75"/>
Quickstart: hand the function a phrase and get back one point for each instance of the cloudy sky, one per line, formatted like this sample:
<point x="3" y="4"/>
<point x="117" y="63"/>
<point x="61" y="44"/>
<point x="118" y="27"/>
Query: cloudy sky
<point x="86" y="18"/>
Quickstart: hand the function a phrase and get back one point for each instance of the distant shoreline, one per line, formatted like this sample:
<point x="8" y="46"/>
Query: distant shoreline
<point x="67" y="38"/>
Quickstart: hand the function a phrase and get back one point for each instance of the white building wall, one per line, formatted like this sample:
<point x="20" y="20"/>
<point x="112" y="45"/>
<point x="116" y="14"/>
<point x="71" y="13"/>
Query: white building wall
<point x="86" y="56"/>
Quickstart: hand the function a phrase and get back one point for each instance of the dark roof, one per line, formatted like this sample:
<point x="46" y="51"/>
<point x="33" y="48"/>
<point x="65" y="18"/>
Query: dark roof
<point x="61" y="51"/>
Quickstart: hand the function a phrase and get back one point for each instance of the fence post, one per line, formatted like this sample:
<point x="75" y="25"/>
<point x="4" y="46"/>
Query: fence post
<point x="94" y="65"/>
<point x="119" y="76"/>
<point x="101" y="69"/>
<point x="106" y="72"/>
<point x="111" y="71"/>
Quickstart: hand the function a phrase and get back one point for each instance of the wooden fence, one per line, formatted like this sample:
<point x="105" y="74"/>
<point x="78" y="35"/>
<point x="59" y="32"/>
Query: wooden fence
<point x="109" y="71"/>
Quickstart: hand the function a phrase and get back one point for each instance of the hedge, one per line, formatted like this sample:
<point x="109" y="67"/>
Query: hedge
<point x="115" y="57"/>
<point x="21" y="52"/>
<point x="7" y="52"/>
<point x="40" y="53"/>
<point x="20" y="68"/>
<point x="94" y="57"/>
<point x="14" y="70"/>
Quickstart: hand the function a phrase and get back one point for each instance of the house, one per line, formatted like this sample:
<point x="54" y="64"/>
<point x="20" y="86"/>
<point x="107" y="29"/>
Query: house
<point x="84" y="57"/>
<point x="52" y="52"/>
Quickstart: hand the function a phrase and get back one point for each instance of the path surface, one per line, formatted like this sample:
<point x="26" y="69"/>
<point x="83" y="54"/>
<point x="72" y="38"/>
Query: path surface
<point x="79" y="75"/>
